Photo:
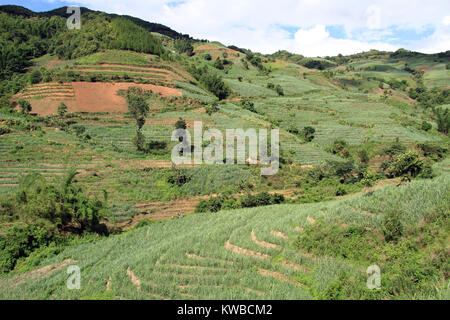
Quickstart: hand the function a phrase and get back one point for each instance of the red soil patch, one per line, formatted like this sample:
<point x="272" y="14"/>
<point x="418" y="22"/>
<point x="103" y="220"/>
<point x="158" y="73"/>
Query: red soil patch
<point x="214" y="48"/>
<point x="243" y="251"/>
<point x="264" y="243"/>
<point x="95" y="97"/>
<point x="279" y="276"/>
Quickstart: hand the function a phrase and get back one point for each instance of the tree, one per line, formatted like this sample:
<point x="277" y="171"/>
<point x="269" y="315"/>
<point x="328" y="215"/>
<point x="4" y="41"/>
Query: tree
<point x="62" y="110"/>
<point x="407" y="164"/>
<point x="139" y="108"/>
<point x="25" y="106"/>
<point x="308" y="133"/>
<point x="279" y="90"/>
<point x="35" y="77"/>
<point x="218" y="64"/>
<point x="183" y="45"/>
<point x="442" y="119"/>
<point x="180" y="124"/>
<point x="426" y="126"/>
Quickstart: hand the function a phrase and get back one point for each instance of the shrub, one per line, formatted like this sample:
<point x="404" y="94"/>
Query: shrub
<point x="62" y="109"/>
<point x="433" y="151"/>
<point x="211" y="109"/>
<point x="48" y="213"/>
<point x="180" y="124"/>
<point x="218" y="64"/>
<point x="426" y="126"/>
<point x="25" y="106"/>
<point x="183" y="45"/>
<point x="215" y="84"/>
<point x="4" y="129"/>
<point x="35" y="77"/>
<point x="279" y="90"/>
<point x="407" y="164"/>
<point x="392" y="226"/>
<point x="363" y="156"/>
<point x="308" y="133"/>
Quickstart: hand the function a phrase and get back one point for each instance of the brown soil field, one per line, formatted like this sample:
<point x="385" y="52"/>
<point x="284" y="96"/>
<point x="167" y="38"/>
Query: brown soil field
<point x="214" y="48"/>
<point x="94" y="97"/>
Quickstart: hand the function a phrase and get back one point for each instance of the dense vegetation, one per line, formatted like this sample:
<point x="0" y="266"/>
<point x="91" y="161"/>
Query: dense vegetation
<point x="45" y="215"/>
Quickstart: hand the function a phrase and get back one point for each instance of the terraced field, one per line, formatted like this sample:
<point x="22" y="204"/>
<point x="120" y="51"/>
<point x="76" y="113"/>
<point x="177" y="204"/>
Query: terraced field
<point x="240" y="254"/>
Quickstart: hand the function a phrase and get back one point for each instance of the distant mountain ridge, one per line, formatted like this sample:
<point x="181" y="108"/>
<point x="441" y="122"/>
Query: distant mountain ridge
<point x="62" y="12"/>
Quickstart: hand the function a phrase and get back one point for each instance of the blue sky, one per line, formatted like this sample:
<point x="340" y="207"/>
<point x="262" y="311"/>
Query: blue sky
<point x="308" y="27"/>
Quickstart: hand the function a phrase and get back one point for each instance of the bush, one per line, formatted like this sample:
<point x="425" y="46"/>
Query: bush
<point x="48" y="213"/>
<point x="433" y="151"/>
<point x="212" y="109"/>
<point x="407" y="164"/>
<point x="392" y="226"/>
<point x="62" y="109"/>
<point x="4" y="129"/>
<point x="183" y="45"/>
<point x="426" y="126"/>
<point x="180" y="124"/>
<point x="25" y="106"/>
<point x="308" y="133"/>
<point x="279" y="90"/>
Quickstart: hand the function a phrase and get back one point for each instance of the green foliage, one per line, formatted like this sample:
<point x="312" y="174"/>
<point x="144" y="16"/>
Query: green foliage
<point x="25" y="106"/>
<point x="212" y="109"/>
<point x="62" y="109"/>
<point x="279" y="90"/>
<point x="139" y="108"/>
<point x="4" y="129"/>
<point x="129" y="36"/>
<point x="180" y="124"/>
<point x="433" y="151"/>
<point x="407" y="164"/>
<point x="426" y="126"/>
<point x="339" y="147"/>
<point x="35" y="77"/>
<point x="215" y="84"/>
<point x="392" y="226"/>
<point x="442" y="119"/>
<point x="47" y="212"/>
<point x="218" y="64"/>
<point x="183" y="45"/>
<point x="308" y="133"/>
<point x="215" y="204"/>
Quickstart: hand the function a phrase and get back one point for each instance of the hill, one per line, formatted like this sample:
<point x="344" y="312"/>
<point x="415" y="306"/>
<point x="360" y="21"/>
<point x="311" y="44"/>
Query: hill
<point x="86" y="171"/>
<point x="62" y="12"/>
<point x="260" y="254"/>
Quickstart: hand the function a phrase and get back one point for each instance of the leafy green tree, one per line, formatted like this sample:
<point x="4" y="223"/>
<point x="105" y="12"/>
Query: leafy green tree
<point x="25" y="106"/>
<point x="442" y="120"/>
<point x="180" y="124"/>
<point x="139" y="108"/>
<point x="279" y="90"/>
<point x="183" y="45"/>
<point x="35" y="77"/>
<point x="426" y="126"/>
<point x="62" y="110"/>
<point x="407" y="164"/>
<point x="218" y="64"/>
<point x="308" y="133"/>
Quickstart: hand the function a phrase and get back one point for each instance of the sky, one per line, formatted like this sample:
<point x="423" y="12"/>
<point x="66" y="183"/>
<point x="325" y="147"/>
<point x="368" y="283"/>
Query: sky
<point x="308" y="27"/>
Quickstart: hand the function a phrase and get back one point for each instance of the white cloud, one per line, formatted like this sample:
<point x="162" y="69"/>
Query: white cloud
<point x="257" y="24"/>
<point x="446" y="20"/>
<point x="317" y="42"/>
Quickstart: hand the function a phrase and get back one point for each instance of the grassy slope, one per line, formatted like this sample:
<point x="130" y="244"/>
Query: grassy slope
<point x="157" y="254"/>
